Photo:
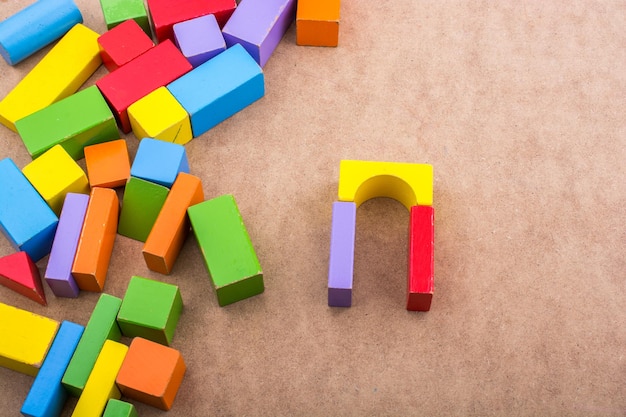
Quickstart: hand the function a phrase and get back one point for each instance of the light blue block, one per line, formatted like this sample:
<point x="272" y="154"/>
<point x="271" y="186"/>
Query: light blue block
<point x="47" y="396"/>
<point x="159" y="161"/>
<point x="25" y="218"/>
<point x="219" y="88"/>
<point x="36" y="26"/>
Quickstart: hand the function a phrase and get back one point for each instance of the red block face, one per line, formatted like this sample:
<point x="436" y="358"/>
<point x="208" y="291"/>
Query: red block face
<point x="122" y="44"/>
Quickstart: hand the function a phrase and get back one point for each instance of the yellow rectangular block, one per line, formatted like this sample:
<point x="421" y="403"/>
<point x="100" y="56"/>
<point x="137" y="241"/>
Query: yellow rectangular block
<point x="25" y="339"/>
<point x="59" y="74"/>
<point x="100" y="386"/>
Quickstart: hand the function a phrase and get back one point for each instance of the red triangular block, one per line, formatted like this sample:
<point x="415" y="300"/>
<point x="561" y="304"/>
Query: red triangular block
<point x="19" y="273"/>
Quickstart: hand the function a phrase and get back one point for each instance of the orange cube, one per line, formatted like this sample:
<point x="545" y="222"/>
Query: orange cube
<point x="108" y="165"/>
<point x="317" y="22"/>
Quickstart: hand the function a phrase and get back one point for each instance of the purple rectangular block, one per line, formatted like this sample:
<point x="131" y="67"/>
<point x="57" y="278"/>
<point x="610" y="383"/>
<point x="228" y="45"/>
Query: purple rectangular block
<point x="199" y="39"/>
<point x="59" y="271"/>
<point x="259" y="25"/>
<point x="341" y="263"/>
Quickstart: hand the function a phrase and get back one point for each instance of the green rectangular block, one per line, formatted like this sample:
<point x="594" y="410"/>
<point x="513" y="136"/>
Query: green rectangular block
<point x="228" y="252"/>
<point x="118" y="11"/>
<point x="118" y="408"/>
<point x="102" y="325"/>
<point x="142" y="203"/>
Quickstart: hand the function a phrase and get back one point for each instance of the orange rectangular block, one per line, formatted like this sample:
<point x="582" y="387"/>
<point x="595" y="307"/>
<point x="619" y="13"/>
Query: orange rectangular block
<point x="107" y="163"/>
<point x="95" y="245"/>
<point x="172" y="226"/>
<point x="317" y="22"/>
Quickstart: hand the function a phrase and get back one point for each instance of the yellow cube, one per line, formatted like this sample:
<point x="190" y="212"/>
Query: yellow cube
<point x="54" y="174"/>
<point x="160" y="116"/>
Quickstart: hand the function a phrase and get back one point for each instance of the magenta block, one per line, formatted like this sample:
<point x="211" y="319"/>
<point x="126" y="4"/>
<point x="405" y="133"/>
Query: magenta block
<point x="259" y="25"/>
<point x="199" y="39"/>
<point x="341" y="263"/>
<point x="59" y="271"/>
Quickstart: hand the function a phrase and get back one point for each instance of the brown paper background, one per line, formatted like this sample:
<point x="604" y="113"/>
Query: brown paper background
<point x="519" y="106"/>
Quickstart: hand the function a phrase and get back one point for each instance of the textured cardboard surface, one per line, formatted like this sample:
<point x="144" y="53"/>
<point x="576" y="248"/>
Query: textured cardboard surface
<point x="520" y="109"/>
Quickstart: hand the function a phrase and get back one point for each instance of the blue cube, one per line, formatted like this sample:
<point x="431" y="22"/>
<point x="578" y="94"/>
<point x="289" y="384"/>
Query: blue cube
<point x="159" y="162"/>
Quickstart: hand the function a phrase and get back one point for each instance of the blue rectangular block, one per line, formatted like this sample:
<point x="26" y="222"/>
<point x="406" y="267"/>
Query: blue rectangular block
<point x="25" y="218"/>
<point x="47" y="396"/>
<point x="341" y="263"/>
<point x="219" y="88"/>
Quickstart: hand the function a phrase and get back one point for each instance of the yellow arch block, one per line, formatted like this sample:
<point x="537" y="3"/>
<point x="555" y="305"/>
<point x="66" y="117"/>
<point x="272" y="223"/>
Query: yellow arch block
<point x="410" y="184"/>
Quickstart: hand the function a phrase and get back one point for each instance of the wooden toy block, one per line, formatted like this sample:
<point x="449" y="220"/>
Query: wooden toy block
<point x="150" y="309"/>
<point x="164" y="15"/>
<point x="317" y="22"/>
<point x="108" y="164"/>
<point x="118" y="408"/>
<point x="141" y="205"/>
<point x="26" y="339"/>
<point x="172" y="225"/>
<point x="102" y="326"/>
<point x="95" y="244"/>
<point x="36" y="26"/>
<point x="219" y="88"/>
<point x="410" y="184"/>
<point x="19" y="273"/>
<point x="122" y="44"/>
<point x="160" y="116"/>
<point x="54" y="174"/>
<point x="421" y="258"/>
<point x="341" y="261"/>
<point x="159" y="162"/>
<point x="82" y="119"/>
<point x="116" y="12"/>
<point x="100" y="386"/>
<point x="59" y="269"/>
<point x="139" y="77"/>
<point x="25" y="218"/>
<point x="60" y="73"/>
<point x="259" y="25"/>
<point x="227" y="250"/>
<point x="151" y="373"/>
<point x="47" y="396"/>
<point x="199" y="39"/>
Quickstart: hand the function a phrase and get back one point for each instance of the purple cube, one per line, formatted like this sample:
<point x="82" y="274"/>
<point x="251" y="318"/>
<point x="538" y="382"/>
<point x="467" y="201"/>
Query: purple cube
<point x="199" y="39"/>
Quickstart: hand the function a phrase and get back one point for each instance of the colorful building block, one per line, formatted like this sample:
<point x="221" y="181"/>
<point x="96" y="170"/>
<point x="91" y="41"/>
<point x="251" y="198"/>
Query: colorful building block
<point x="164" y="16"/>
<point x="199" y="39"/>
<point x="134" y="80"/>
<point x="219" y="88"/>
<point x="160" y="116"/>
<point x="122" y="44"/>
<point x="159" y="162"/>
<point x="151" y="373"/>
<point x="172" y="225"/>
<point x="141" y="205"/>
<point x="36" y="26"/>
<point x="117" y="11"/>
<point x="108" y="165"/>
<point x="59" y="269"/>
<point x="227" y="250"/>
<point x="19" y="273"/>
<point x="341" y="261"/>
<point x="100" y="386"/>
<point x="317" y="22"/>
<point x="259" y="25"/>
<point x="119" y="408"/>
<point x="26" y="339"/>
<point x="95" y="244"/>
<point x="82" y="119"/>
<point x="47" y="396"/>
<point x="102" y="326"/>
<point x="25" y="218"/>
<point x="150" y="309"/>
<point x="60" y="73"/>
<point x="54" y="174"/>
<point x="421" y="258"/>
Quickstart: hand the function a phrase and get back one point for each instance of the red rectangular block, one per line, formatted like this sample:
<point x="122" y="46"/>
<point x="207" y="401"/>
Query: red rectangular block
<point x="421" y="258"/>
<point x="153" y="69"/>
<point x="122" y="44"/>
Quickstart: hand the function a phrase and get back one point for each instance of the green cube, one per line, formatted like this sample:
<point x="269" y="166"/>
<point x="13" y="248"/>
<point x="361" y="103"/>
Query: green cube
<point x="150" y="309"/>
<point x="141" y="206"/>
<point x="118" y="11"/>
<point x="118" y="408"/>
<point x="228" y="252"/>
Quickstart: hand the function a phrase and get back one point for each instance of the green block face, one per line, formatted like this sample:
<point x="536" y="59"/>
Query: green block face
<point x="227" y="249"/>
<point x="150" y="309"/>
<point x="101" y="326"/>
<point x="141" y="206"/>
<point x="118" y="11"/>
<point x="80" y="120"/>
<point x="117" y="408"/>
